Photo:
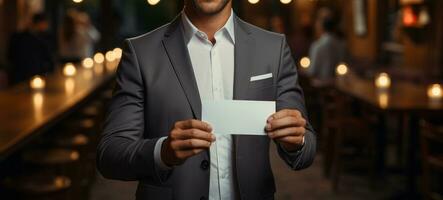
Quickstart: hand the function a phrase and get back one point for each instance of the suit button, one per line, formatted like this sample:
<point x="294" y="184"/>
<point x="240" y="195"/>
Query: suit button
<point x="204" y="165"/>
<point x="203" y="198"/>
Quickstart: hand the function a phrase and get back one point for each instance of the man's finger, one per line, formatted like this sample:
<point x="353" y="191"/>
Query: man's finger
<point x="193" y="134"/>
<point x="292" y="131"/>
<point x="190" y="144"/>
<point x="285" y="113"/>
<point x="187" y="153"/>
<point x="285" y="122"/>
<point x="291" y="139"/>
<point x="193" y="123"/>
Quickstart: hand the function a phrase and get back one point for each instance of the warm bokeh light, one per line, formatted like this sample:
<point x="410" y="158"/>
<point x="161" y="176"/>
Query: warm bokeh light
<point x="61" y="182"/>
<point x="69" y="86"/>
<point x="37" y="102"/>
<point x="342" y="69"/>
<point x="88" y="63"/>
<point x="77" y="1"/>
<point x="74" y="155"/>
<point x="383" y="81"/>
<point x="111" y="67"/>
<point x="409" y="18"/>
<point x="253" y="1"/>
<point x="88" y="74"/>
<point x="118" y="53"/>
<point x="285" y="1"/>
<point x="110" y="56"/>
<point x="435" y="91"/>
<point x="37" y="82"/>
<point x="99" y="69"/>
<point x="305" y="62"/>
<point x="383" y="100"/>
<point x="153" y="2"/>
<point x="99" y="58"/>
<point x="69" y="70"/>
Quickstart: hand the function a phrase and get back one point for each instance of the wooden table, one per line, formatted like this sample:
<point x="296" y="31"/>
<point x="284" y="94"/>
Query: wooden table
<point x="405" y="99"/>
<point x="401" y="96"/>
<point x="24" y="113"/>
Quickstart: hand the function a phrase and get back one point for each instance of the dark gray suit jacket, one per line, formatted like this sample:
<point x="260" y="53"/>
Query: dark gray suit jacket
<point x="156" y="87"/>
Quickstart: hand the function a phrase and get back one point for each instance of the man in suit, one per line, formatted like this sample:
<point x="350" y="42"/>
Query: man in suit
<point x="154" y="133"/>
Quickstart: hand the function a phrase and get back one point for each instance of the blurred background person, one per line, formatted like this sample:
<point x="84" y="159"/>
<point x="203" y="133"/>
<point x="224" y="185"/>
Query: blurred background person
<point x="29" y="50"/>
<point x="329" y="49"/>
<point x="77" y="37"/>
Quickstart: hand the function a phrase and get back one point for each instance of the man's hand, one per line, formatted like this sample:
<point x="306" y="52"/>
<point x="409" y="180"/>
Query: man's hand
<point x="186" y="139"/>
<point x="288" y="128"/>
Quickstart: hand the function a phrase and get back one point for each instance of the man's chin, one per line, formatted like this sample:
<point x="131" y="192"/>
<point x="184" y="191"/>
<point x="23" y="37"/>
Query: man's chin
<point x="211" y="8"/>
<point x="209" y="11"/>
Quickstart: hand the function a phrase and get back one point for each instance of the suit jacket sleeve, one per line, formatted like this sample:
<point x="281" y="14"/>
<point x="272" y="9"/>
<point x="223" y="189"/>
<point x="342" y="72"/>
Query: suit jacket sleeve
<point x="123" y="153"/>
<point x="290" y="96"/>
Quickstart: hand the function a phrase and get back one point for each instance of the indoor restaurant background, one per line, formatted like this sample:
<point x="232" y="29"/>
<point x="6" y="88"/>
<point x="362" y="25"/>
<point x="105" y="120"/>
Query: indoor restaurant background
<point x="371" y="71"/>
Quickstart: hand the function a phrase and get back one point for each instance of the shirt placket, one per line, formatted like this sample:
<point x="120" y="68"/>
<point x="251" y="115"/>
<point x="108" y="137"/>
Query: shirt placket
<point x="221" y="144"/>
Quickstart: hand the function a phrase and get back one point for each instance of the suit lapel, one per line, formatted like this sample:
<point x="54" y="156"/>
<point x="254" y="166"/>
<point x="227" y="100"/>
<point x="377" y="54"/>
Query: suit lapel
<point x="179" y="57"/>
<point x="244" y="51"/>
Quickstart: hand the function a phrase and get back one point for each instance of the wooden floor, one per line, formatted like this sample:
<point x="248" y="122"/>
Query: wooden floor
<point x="308" y="184"/>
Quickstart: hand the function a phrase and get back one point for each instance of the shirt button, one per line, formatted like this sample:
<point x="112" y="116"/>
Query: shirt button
<point x="204" y="165"/>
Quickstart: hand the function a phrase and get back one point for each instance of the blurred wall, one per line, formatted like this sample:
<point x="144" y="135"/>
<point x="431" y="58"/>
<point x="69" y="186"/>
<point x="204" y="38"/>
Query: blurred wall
<point x="421" y="49"/>
<point x="363" y="47"/>
<point x="426" y="54"/>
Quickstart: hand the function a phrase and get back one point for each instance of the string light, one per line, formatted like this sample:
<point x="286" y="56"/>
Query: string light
<point x="77" y="1"/>
<point x="99" y="58"/>
<point x="435" y="91"/>
<point x="88" y="63"/>
<point x="342" y="69"/>
<point x="118" y="53"/>
<point x="37" y="82"/>
<point x="253" y="1"/>
<point x="153" y="2"/>
<point x="383" y="81"/>
<point x="110" y="56"/>
<point x="285" y="1"/>
<point x="69" y="70"/>
<point x="305" y="62"/>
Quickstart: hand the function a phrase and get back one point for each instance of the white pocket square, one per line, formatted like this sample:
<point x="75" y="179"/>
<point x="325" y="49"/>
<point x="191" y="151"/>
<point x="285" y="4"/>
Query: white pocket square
<point x="261" y="77"/>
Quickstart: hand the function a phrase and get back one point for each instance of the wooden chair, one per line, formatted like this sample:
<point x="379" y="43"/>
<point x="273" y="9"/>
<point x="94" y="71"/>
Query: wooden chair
<point x="432" y="154"/>
<point x="347" y="136"/>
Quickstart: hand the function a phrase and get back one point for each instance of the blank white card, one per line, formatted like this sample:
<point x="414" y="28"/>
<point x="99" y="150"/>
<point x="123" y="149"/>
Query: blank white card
<point x="237" y="117"/>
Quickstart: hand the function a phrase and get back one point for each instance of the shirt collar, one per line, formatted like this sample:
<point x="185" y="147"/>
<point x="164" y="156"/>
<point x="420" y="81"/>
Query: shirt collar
<point x="190" y="30"/>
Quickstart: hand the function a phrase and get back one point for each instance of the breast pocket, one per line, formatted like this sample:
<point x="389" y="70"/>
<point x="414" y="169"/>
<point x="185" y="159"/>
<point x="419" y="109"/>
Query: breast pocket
<point x="145" y="191"/>
<point x="262" y="90"/>
<point x="262" y="83"/>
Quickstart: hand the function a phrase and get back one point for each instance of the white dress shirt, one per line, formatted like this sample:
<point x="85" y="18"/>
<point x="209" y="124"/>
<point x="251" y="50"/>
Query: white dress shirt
<point x="213" y="66"/>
